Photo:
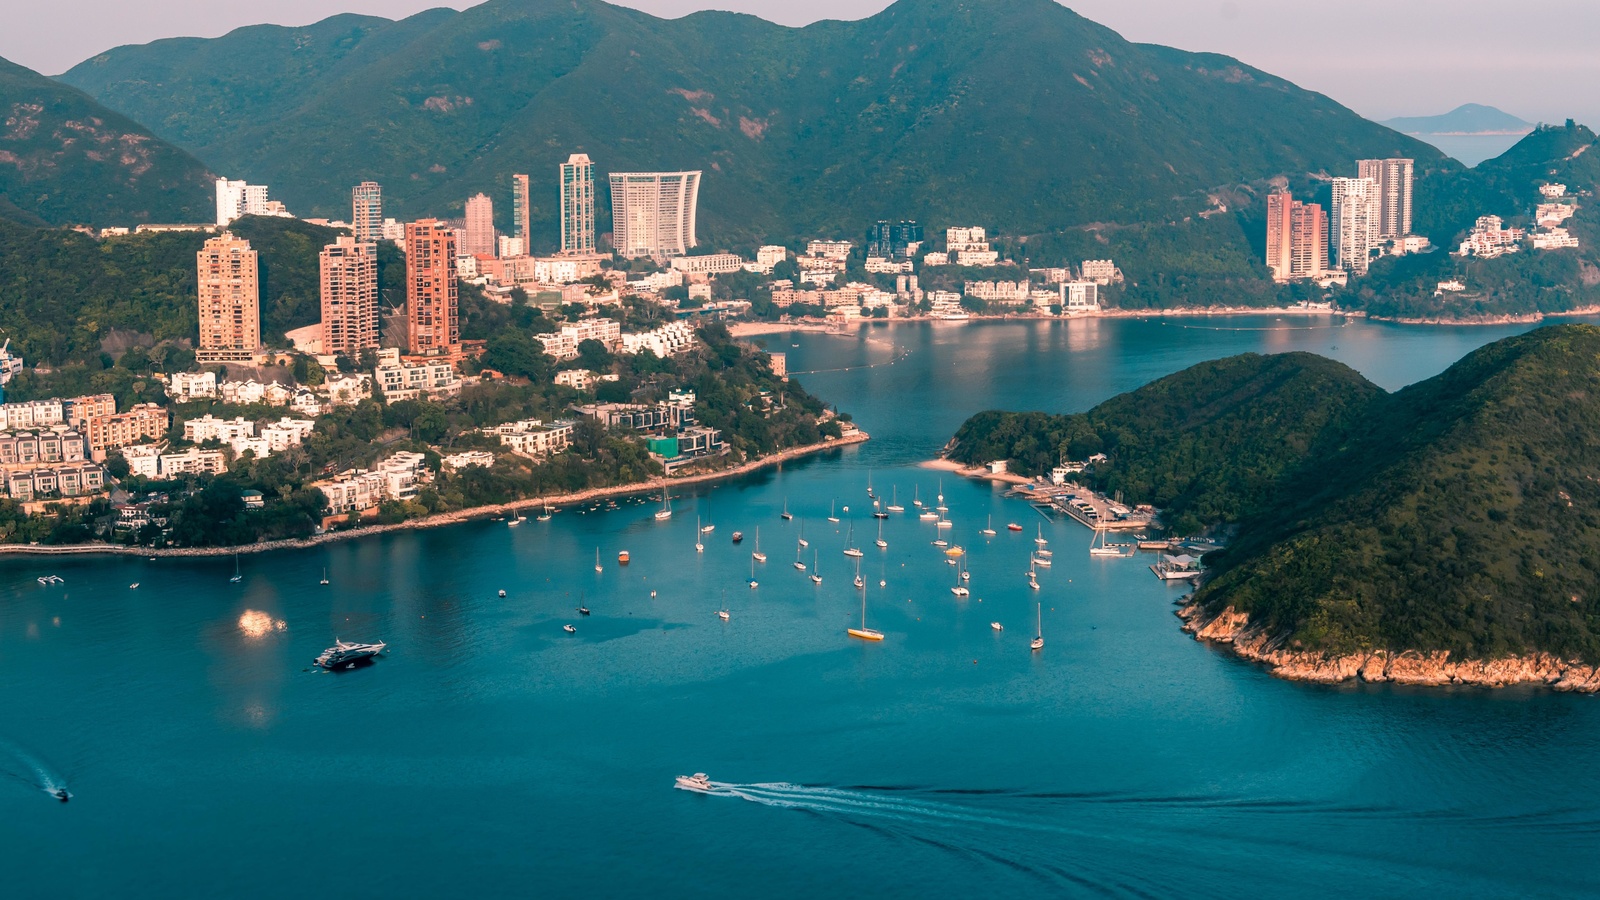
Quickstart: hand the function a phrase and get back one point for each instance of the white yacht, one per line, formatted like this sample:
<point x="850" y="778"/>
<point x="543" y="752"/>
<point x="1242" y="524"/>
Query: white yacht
<point x="696" y="782"/>
<point x="345" y="654"/>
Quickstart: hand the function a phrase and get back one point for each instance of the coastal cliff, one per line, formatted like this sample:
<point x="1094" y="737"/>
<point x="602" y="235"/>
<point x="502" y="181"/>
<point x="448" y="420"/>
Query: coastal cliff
<point x="1233" y="630"/>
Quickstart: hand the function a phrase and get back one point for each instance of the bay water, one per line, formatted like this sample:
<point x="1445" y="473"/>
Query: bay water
<point x="492" y="753"/>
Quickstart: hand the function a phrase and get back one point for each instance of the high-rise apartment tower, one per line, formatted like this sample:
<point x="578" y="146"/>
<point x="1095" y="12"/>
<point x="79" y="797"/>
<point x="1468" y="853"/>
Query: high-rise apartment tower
<point x="1297" y="238"/>
<point x="1355" y="223"/>
<point x="349" y="296"/>
<point x="521" y="211"/>
<point x="577" y="205"/>
<point x="653" y="213"/>
<point x="1393" y="178"/>
<point x="366" y="212"/>
<point x="479" y="238"/>
<point x="230" y="300"/>
<point x="432" y="318"/>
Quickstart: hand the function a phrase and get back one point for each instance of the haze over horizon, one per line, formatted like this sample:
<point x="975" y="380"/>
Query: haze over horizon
<point x="1434" y="55"/>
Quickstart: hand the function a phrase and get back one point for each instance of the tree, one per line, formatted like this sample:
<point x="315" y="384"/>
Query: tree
<point x="594" y="356"/>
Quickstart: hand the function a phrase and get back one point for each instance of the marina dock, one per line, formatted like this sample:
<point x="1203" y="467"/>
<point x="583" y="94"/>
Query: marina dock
<point x="1090" y="509"/>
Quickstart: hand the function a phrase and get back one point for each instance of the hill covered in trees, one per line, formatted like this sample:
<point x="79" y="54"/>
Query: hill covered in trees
<point x="1015" y="114"/>
<point x="67" y="160"/>
<point x="1456" y="516"/>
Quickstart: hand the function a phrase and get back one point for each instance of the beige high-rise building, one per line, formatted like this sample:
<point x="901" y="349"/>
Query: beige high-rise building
<point x="577" y="205"/>
<point x="1393" y="178"/>
<point x="366" y="211"/>
<point x="433" y="322"/>
<point x="230" y="301"/>
<point x="479" y="237"/>
<point x="521" y="212"/>
<point x="349" y="296"/>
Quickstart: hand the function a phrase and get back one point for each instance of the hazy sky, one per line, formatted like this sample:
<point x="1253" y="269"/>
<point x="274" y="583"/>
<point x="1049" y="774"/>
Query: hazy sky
<point x="1533" y="58"/>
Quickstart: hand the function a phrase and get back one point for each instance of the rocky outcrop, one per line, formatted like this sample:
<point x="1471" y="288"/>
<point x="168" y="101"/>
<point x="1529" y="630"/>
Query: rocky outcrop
<point x="1232" y="628"/>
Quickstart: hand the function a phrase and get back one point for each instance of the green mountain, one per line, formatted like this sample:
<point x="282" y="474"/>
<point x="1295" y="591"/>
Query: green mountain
<point x="1206" y="445"/>
<point x="1457" y="515"/>
<point x="66" y="160"/>
<point x="1462" y="516"/>
<point x="1466" y="119"/>
<point x="1016" y="114"/>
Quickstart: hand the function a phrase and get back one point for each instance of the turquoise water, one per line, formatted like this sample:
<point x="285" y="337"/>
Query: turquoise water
<point x="491" y="752"/>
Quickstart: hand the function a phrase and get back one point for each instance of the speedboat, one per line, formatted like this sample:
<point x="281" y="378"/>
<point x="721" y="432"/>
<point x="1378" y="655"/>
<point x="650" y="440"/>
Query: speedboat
<point x="696" y="782"/>
<point x="345" y="654"/>
<point x="502" y="592"/>
<point x="722" y="614"/>
<point x="61" y="794"/>
<point x="1012" y="526"/>
<point x="997" y="626"/>
<point x="738" y="536"/>
<point x="622" y="557"/>
<point x="134" y="586"/>
<point x="569" y="629"/>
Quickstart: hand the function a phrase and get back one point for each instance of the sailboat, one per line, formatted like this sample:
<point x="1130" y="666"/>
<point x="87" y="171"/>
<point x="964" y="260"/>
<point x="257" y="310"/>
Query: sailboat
<point x="882" y="544"/>
<point x="815" y="578"/>
<point x="865" y="633"/>
<point x="698" y="546"/>
<point x="850" y="548"/>
<point x="324" y="575"/>
<point x="803" y="541"/>
<point x="785" y="515"/>
<point x="797" y="563"/>
<point x="665" y="512"/>
<point x="597" y="566"/>
<point x="1040" y="540"/>
<point x="960" y="590"/>
<point x="1101" y="548"/>
<point x="917" y="499"/>
<point x="859" y="582"/>
<point x="236" y="576"/>
<point x="941" y="507"/>
<point x="758" y="556"/>
<point x="1033" y="576"/>
<point x="869" y="485"/>
<point x="833" y="511"/>
<point x="515" y="519"/>
<point x="1038" y="637"/>
<point x="753" y="583"/>
<point x="989" y="530"/>
<point x="877" y="510"/>
<point x="544" y="516"/>
<point x="894" y="500"/>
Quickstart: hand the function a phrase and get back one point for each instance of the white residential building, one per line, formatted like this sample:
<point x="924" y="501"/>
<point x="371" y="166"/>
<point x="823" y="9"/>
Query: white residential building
<point x="31" y="414"/>
<point x="1355" y="223"/>
<point x="1489" y="238"/>
<point x="936" y="258"/>
<point x="1549" y="215"/>
<point x="458" y="461"/>
<point x="193" y="461"/>
<point x="1552" y="191"/>
<point x="668" y="340"/>
<point x="999" y="291"/>
<point x="185" y="386"/>
<point x="211" y="428"/>
<point x="236" y="199"/>
<point x="400" y="381"/>
<point x="711" y="264"/>
<point x="1099" y="271"/>
<point x="877" y="265"/>
<point x="835" y="250"/>
<point x="348" y="390"/>
<point x="242" y="392"/>
<point x="769" y="256"/>
<point x="563" y="344"/>
<point x="966" y="238"/>
<point x="1553" y="239"/>
<point x="532" y="437"/>
<point x="1078" y="297"/>
<point x="358" y="490"/>
<point x="144" y="459"/>
<point x="653" y="213"/>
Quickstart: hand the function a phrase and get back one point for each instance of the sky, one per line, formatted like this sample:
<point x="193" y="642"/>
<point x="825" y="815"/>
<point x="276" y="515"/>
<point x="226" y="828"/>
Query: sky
<point x="1382" y="58"/>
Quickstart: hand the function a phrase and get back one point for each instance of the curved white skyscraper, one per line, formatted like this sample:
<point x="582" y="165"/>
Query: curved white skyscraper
<point x="653" y="213"/>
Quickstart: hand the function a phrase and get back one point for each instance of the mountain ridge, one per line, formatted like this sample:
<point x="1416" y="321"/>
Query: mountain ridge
<point x="1018" y="114"/>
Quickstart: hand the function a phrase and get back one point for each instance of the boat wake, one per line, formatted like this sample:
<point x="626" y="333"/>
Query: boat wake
<point x="878" y="805"/>
<point x="23" y="766"/>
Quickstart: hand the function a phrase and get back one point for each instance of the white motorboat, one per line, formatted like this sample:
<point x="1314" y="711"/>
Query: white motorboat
<point x="997" y="626"/>
<point x="569" y="629"/>
<point x="723" y="615"/>
<point x="696" y="782"/>
<point x="502" y="592"/>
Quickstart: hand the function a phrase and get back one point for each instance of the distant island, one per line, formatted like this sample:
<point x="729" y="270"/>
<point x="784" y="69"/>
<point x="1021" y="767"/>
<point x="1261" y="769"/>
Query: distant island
<point x="1466" y="119"/>
<point x="1441" y="534"/>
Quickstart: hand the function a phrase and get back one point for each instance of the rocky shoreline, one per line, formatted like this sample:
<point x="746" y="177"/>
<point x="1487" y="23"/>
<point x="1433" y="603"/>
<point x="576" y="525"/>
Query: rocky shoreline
<point x="1232" y="630"/>
<point x="1525" y="319"/>
<point x="436" y="521"/>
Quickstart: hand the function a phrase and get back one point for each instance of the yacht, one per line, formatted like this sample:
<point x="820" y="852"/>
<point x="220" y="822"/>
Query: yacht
<point x="797" y="563"/>
<point x="345" y="654"/>
<point x="234" y="580"/>
<point x="597" y="566"/>
<point x="738" y="537"/>
<point x="928" y="515"/>
<point x="708" y="528"/>
<point x="698" y="546"/>
<point x="134" y="586"/>
<point x="696" y="782"/>
<point x="583" y="610"/>
<point x="1043" y="561"/>
<point x="916" y="499"/>
<point x="894" y="502"/>
<point x="803" y="541"/>
<point x="753" y="583"/>
<point x="545" y="515"/>
<point x="997" y="626"/>
<point x="1040" y="539"/>
<point x="623" y="557"/>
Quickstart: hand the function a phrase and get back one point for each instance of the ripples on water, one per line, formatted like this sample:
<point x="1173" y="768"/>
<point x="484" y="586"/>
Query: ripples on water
<point x="490" y="751"/>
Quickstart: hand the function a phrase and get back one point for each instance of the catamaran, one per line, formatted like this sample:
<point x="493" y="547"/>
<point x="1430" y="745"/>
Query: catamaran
<point x="665" y="512"/>
<point x="865" y="633"/>
<point x="758" y="556"/>
<point x="1038" y="637"/>
<point x="989" y="531"/>
<point x="894" y="501"/>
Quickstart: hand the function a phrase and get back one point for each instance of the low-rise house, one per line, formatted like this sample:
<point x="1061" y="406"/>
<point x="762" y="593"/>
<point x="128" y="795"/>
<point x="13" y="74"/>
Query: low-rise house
<point x="211" y="428"/>
<point x="400" y="381"/>
<point x="563" y="344"/>
<point x="458" y="461"/>
<point x="59" y="443"/>
<point x="668" y="340"/>
<point x="183" y="387"/>
<point x="242" y="392"/>
<point x="30" y="414"/>
<point x="532" y="437"/>
<point x="74" y="479"/>
<point x="348" y="390"/>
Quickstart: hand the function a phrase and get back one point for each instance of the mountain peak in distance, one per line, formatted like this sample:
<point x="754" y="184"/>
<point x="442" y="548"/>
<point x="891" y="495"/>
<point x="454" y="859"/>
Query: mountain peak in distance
<point x="1466" y="119"/>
